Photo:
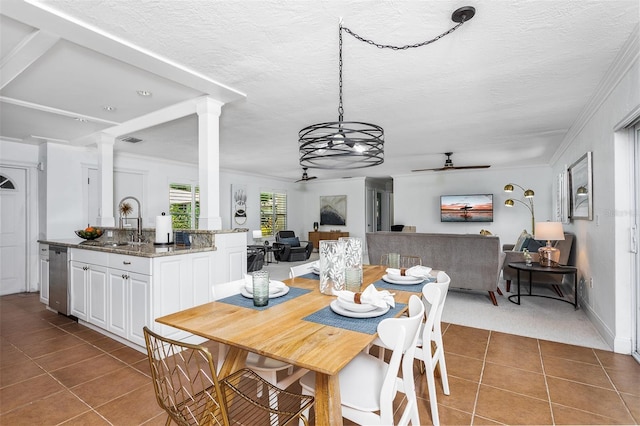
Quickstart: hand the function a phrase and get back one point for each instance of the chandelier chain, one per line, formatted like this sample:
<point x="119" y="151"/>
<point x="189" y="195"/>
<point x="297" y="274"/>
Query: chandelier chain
<point x="406" y="46"/>
<point x="379" y="46"/>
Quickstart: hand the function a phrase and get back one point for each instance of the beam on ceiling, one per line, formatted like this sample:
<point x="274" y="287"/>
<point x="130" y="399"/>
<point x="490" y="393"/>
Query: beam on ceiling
<point x="44" y="17"/>
<point x="24" y="54"/>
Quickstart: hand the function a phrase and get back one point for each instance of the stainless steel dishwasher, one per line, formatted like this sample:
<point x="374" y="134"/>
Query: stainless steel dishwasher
<point x="58" y="279"/>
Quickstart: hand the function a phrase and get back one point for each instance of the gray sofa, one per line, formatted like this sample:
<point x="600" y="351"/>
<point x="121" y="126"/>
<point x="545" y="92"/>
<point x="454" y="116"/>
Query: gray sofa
<point x="472" y="261"/>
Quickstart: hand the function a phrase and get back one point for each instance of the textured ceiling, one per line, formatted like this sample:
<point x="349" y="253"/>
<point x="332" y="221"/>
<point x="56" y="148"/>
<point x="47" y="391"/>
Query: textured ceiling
<point x="501" y="90"/>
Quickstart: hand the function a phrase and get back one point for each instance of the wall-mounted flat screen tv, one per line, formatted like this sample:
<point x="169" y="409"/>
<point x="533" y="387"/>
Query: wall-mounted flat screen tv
<point x="466" y="208"/>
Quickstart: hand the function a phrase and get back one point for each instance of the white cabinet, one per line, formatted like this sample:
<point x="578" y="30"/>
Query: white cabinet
<point x="231" y="253"/>
<point x="117" y="302"/>
<point x="139" y="308"/>
<point x="181" y="282"/>
<point x="86" y="271"/>
<point x="129" y="304"/>
<point x="129" y="283"/>
<point x="98" y="310"/>
<point x="78" y="286"/>
<point x="43" y="273"/>
<point x="121" y="294"/>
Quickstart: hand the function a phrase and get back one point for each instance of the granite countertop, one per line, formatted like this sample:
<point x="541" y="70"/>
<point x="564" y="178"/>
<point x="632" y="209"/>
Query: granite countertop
<point x="142" y="250"/>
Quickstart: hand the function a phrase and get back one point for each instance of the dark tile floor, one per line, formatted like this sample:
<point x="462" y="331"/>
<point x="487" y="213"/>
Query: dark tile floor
<point x="54" y="371"/>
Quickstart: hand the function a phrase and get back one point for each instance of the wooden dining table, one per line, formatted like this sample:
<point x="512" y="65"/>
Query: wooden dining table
<point x="280" y="332"/>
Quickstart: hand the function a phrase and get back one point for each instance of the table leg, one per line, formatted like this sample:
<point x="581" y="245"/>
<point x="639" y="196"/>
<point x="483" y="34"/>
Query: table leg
<point x="235" y="360"/>
<point x="518" y="286"/>
<point x="530" y="281"/>
<point x="575" y="290"/>
<point x="328" y="408"/>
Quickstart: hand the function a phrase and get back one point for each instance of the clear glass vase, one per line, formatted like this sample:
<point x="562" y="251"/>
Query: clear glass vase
<point x="352" y="262"/>
<point x="332" y="274"/>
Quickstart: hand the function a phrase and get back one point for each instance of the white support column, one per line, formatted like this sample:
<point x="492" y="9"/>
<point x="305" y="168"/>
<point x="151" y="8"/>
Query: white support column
<point x="209" y="111"/>
<point x="105" y="177"/>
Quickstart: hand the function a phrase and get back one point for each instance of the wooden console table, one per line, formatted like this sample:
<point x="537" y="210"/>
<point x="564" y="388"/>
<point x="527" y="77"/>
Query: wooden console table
<point x="316" y="236"/>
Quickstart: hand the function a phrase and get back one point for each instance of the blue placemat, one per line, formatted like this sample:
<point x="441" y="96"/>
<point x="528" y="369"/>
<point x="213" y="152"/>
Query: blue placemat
<point x="416" y="288"/>
<point x="364" y="325"/>
<point x="311" y="276"/>
<point x="245" y="302"/>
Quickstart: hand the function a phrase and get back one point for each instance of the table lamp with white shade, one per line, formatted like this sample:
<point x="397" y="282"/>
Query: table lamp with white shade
<point x="257" y="235"/>
<point x="550" y="231"/>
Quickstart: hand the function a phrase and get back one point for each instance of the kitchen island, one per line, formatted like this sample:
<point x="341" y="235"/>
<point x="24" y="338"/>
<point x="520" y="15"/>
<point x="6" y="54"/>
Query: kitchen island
<point x="118" y="288"/>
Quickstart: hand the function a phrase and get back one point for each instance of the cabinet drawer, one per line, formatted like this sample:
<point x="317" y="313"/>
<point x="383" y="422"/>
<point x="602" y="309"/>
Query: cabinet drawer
<point x="89" y="256"/>
<point x="141" y="265"/>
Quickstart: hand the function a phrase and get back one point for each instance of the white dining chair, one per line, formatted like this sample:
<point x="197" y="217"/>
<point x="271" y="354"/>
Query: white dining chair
<point x="305" y="268"/>
<point x="368" y="385"/>
<point x="430" y="349"/>
<point x="220" y="291"/>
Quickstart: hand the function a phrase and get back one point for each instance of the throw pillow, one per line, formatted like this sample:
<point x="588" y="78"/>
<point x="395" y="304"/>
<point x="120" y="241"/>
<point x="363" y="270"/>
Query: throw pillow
<point x="533" y="245"/>
<point x="293" y="241"/>
<point x="521" y="240"/>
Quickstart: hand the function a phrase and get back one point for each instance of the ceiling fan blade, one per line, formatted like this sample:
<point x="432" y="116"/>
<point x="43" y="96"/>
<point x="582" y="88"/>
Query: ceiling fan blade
<point x="306" y="178"/>
<point x="431" y="170"/>
<point x="470" y="167"/>
<point x="448" y="165"/>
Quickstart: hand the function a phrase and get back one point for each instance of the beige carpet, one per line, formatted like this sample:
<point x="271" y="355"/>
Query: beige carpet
<point x="537" y="317"/>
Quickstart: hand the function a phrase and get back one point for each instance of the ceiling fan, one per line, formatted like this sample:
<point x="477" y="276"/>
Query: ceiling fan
<point x="305" y="176"/>
<point x="448" y="165"/>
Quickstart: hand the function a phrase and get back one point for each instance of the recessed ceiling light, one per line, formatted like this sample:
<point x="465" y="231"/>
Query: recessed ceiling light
<point x="143" y="93"/>
<point x="109" y="108"/>
<point x="81" y="119"/>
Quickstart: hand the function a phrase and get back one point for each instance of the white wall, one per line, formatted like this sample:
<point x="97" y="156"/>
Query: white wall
<point x="256" y="184"/>
<point x="355" y="191"/>
<point x="603" y="243"/>
<point x="417" y="199"/>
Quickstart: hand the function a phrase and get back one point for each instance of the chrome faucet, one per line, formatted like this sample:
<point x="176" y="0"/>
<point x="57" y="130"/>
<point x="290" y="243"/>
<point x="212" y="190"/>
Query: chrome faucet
<point x="138" y="235"/>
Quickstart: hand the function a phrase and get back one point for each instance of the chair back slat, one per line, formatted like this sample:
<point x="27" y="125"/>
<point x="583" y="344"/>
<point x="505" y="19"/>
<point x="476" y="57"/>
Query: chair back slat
<point x="399" y="334"/>
<point x="185" y="382"/>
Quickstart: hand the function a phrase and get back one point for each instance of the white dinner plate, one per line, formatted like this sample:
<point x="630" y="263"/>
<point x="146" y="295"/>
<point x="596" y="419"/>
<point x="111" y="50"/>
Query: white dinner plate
<point x="280" y="293"/>
<point x="335" y="307"/>
<point x="355" y="307"/>
<point x="402" y="282"/>
<point x="401" y="277"/>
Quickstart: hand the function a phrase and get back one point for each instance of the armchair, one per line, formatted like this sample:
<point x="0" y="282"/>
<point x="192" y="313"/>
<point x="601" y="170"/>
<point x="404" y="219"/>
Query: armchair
<point x="255" y="257"/>
<point x="565" y="246"/>
<point x="289" y="248"/>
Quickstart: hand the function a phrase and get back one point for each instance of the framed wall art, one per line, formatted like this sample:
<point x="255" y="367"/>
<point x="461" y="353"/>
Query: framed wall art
<point x="238" y="205"/>
<point x="562" y="197"/>
<point x="581" y="188"/>
<point x="333" y="210"/>
<point x="466" y="208"/>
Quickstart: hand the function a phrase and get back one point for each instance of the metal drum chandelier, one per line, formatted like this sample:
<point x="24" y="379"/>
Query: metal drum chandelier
<point x="354" y="144"/>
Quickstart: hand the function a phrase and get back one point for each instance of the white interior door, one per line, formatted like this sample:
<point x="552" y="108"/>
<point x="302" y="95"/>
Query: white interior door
<point x="13" y="230"/>
<point x="93" y="201"/>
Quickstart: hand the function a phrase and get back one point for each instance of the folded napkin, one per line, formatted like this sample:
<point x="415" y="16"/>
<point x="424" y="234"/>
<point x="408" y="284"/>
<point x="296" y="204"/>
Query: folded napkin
<point x="370" y="295"/>
<point x="274" y="286"/>
<point x="417" y="271"/>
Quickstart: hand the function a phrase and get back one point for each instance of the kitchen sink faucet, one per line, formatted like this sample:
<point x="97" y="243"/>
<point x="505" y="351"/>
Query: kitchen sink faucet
<point x="138" y="236"/>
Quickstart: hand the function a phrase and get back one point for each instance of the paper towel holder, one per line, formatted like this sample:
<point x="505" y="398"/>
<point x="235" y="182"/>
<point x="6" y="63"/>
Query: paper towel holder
<point x="169" y="238"/>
